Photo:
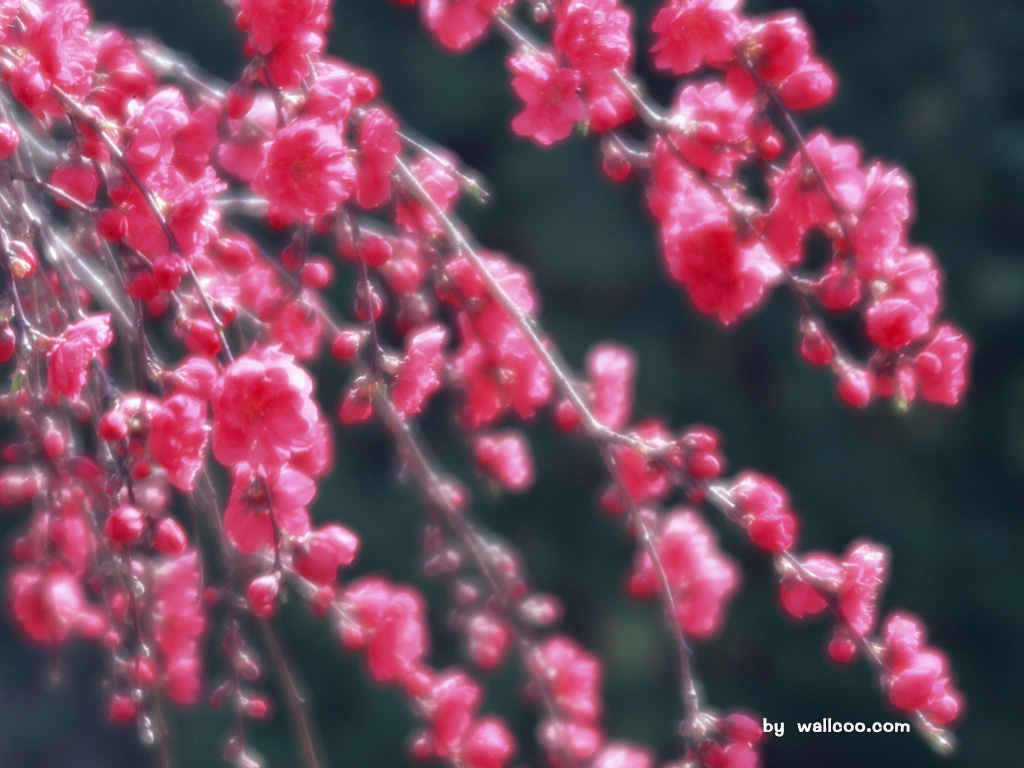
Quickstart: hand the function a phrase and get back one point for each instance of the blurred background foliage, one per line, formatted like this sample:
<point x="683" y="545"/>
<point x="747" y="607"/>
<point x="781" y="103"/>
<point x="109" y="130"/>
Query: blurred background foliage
<point x="935" y="85"/>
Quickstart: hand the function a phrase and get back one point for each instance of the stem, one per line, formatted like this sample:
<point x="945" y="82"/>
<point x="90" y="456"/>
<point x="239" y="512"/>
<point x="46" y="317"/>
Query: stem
<point x="296" y="701"/>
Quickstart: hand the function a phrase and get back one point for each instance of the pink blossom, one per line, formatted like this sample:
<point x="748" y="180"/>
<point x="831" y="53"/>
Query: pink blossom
<point x="72" y="353"/>
<point x="619" y="754"/>
<point x="865" y="571"/>
<point x="801" y="598"/>
<point x="917" y="676"/>
<point x="942" y="366"/>
<point x="266" y="506"/>
<point x="455" y="729"/>
<point x="77" y="180"/>
<point x="437" y="179"/>
<point x="319" y="555"/>
<point x="49" y="605"/>
<point x="723" y="276"/>
<point x="263" y="410"/>
<point x="694" y="32"/>
<point x="764" y="505"/>
<point x="703" y="579"/>
<point x="306" y="172"/>
<point x="379" y="148"/>
<point x="273" y="22"/>
<point x="611" y="369"/>
<point x="552" y="105"/>
<point x="391" y="625"/>
<point x="241" y="154"/>
<point x="797" y="201"/>
<point x="459" y="24"/>
<point x="718" y="136"/>
<point x="178" y="437"/>
<point x="419" y="375"/>
<point x="505" y="456"/>
<point x="574" y="675"/>
<point x="643" y="481"/>
<point x="594" y="35"/>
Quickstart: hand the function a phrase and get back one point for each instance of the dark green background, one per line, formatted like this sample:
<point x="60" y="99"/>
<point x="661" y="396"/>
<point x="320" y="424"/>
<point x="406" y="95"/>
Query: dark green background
<point x="937" y="86"/>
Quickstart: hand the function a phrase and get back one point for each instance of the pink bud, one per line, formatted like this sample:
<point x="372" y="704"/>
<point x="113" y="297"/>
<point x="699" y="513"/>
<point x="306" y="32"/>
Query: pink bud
<point x="169" y="538"/>
<point x="262" y="593"/>
<point x="855" y="386"/>
<point x="9" y="139"/>
<point x="346" y="344"/>
<point x="124" y="525"/>
<point x="376" y="251"/>
<point x="168" y="270"/>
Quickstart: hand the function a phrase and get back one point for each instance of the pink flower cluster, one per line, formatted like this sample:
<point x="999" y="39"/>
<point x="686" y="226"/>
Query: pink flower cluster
<point x="159" y="350"/>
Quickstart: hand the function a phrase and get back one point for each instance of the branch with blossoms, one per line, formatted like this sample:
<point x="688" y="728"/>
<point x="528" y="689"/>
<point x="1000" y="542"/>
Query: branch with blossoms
<point x="158" y="348"/>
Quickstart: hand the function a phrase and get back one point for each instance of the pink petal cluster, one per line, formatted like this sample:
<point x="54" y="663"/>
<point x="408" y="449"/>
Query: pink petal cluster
<point x="460" y="24"/>
<point x="611" y="371"/>
<point x="724" y="274"/>
<point x="495" y="367"/>
<point x="692" y="33"/>
<point x="764" y="506"/>
<point x="574" y="677"/>
<point x="179" y="625"/>
<point x="390" y="628"/>
<point x="265" y="506"/>
<point x="455" y="729"/>
<point x="703" y="579"/>
<point x="505" y="456"/>
<point x="49" y="605"/>
<point x="917" y="676"/>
